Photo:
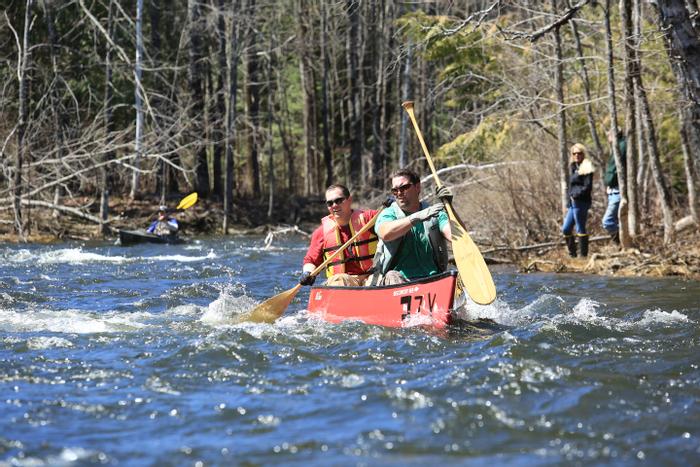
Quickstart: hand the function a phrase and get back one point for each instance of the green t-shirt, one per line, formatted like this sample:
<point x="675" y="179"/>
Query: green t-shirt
<point x="415" y="257"/>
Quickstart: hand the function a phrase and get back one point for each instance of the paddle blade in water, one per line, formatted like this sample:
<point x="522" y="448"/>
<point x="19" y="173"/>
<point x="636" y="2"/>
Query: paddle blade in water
<point x="188" y="201"/>
<point x="272" y="308"/>
<point x="472" y="268"/>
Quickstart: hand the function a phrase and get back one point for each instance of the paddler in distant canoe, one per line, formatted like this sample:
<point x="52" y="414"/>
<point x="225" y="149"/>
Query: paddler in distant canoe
<point x="413" y="234"/>
<point x="354" y="264"/>
<point x="164" y="225"/>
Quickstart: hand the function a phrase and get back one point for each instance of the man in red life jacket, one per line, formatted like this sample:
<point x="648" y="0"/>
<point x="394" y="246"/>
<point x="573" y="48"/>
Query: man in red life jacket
<point x="353" y="265"/>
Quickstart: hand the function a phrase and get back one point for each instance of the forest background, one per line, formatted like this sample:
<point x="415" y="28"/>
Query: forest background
<point x="259" y="105"/>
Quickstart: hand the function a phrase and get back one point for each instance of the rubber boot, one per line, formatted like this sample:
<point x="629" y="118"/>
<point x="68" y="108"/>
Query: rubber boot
<point x="583" y="243"/>
<point x="571" y="245"/>
<point x="615" y="237"/>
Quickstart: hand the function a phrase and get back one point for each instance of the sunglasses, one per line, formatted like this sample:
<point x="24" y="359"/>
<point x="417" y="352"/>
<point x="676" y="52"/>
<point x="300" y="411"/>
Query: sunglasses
<point x="577" y="153"/>
<point x="337" y="201"/>
<point x="401" y="189"/>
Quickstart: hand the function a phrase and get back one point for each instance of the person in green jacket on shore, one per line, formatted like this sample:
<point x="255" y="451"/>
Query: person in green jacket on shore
<point x="611" y="221"/>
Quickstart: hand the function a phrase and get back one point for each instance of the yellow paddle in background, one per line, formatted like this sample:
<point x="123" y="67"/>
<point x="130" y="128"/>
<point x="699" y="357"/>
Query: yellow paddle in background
<point x="472" y="268"/>
<point x="272" y="308"/>
<point x="187" y="202"/>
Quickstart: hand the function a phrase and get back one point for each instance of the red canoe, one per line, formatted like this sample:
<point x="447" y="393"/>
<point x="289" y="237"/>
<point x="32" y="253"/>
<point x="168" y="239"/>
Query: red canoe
<point x="426" y="301"/>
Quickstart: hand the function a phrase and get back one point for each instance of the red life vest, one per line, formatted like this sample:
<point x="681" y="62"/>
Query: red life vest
<point x="361" y="251"/>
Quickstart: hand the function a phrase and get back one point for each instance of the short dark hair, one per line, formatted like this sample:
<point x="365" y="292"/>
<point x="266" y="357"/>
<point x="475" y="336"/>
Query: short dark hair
<point x="408" y="173"/>
<point x="343" y="188"/>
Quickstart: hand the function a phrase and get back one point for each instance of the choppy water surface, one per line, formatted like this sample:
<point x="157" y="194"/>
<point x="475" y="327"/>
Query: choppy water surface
<point x="128" y="356"/>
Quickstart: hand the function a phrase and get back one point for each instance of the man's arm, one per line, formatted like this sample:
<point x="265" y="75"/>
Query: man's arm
<point x="392" y="229"/>
<point x="444" y="225"/>
<point x="314" y="254"/>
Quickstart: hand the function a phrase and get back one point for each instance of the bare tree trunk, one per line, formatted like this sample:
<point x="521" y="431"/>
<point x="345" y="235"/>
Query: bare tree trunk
<point x="250" y="185"/>
<point x="138" y="86"/>
<point x="631" y="71"/>
<point x="377" y="35"/>
<point x="325" y="118"/>
<point x="220" y="131"/>
<point x="196" y="88"/>
<point x="406" y="91"/>
<point x="233" y="40"/>
<point x="290" y="175"/>
<point x="388" y="110"/>
<point x="655" y="163"/>
<point x="642" y="165"/>
<point x="683" y="49"/>
<point x="109" y="126"/>
<point x="622" y="183"/>
<point x="270" y="148"/>
<point x="154" y="8"/>
<point x="561" y="117"/>
<point x="598" y="152"/>
<point x="57" y="113"/>
<point x="308" y="89"/>
<point x="691" y="172"/>
<point x="22" y="153"/>
<point x="356" y="133"/>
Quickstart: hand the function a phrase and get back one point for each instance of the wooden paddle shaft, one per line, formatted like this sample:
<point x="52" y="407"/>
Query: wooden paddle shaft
<point x="364" y="229"/>
<point x="408" y="106"/>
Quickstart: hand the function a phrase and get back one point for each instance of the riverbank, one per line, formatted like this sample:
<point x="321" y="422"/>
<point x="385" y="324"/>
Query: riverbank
<point x="649" y="258"/>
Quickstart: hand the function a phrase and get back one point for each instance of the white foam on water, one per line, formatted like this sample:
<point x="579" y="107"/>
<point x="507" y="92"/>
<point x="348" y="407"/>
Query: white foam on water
<point x="226" y="307"/>
<point x="411" y="398"/>
<point x="263" y="248"/>
<point x="585" y="310"/>
<point x="41" y="343"/>
<point x="352" y="381"/>
<point x="417" y="320"/>
<point x="70" y="321"/>
<point x="182" y="258"/>
<point x="662" y="317"/>
<point x="78" y="256"/>
<point x="184" y="310"/>
<point x="19" y="256"/>
<point x="6" y="297"/>
<point x="68" y="456"/>
<point x="65" y="255"/>
<point x="533" y="371"/>
<point x="502" y="313"/>
<point x="156" y="384"/>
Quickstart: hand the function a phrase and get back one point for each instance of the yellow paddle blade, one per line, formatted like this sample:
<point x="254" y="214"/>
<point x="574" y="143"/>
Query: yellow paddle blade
<point x="472" y="268"/>
<point x="188" y="201"/>
<point x="272" y="308"/>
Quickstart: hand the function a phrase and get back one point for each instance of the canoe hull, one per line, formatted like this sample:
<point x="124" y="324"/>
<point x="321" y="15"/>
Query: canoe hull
<point x="423" y="302"/>
<point x="133" y="237"/>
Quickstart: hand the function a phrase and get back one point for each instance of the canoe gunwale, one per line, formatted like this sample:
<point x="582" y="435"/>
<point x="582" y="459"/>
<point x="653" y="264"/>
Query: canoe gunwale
<point x="423" y="280"/>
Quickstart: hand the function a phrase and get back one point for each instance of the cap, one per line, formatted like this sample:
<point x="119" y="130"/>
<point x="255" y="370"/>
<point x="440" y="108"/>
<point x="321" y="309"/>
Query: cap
<point x="162" y="207"/>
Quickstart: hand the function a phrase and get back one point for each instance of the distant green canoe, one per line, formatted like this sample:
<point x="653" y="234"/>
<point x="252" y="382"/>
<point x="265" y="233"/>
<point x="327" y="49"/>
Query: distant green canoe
<point x="132" y="237"/>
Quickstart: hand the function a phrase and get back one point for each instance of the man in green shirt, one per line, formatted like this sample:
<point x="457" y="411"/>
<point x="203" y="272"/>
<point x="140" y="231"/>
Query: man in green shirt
<point x="413" y="235"/>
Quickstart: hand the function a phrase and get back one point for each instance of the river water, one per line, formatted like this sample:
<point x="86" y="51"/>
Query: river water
<point x="128" y="356"/>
